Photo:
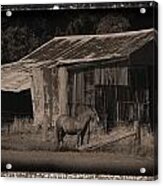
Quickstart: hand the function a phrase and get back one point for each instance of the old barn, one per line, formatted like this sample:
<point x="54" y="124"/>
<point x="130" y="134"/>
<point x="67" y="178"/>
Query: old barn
<point x="114" y="73"/>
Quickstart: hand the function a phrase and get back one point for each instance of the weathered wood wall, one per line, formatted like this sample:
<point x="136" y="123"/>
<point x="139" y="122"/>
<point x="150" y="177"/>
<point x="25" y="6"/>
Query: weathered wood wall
<point x="63" y="90"/>
<point x="146" y="79"/>
<point x="84" y="82"/>
<point x="47" y="93"/>
<point x="37" y="94"/>
<point x="45" y="97"/>
<point x="55" y="94"/>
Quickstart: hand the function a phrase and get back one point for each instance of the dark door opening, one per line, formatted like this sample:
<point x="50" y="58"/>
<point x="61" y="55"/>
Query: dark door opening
<point x="15" y="105"/>
<point x="105" y="104"/>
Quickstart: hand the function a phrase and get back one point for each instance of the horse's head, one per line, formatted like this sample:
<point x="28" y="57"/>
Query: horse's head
<point x="94" y="117"/>
<point x="90" y="114"/>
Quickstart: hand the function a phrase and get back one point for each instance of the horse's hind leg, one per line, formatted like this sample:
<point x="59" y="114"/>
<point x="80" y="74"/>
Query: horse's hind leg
<point x="57" y="138"/>
<point x="62" y="136"/>
<point x="59" y="135"/>
<point x="60" y="142"/>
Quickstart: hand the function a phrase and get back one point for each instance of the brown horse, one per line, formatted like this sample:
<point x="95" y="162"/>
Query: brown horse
<point x="76" y="126"/>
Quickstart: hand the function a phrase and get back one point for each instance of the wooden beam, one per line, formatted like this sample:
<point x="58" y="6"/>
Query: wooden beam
<point x="54" y="95"/>
<point x="74" y="95"/>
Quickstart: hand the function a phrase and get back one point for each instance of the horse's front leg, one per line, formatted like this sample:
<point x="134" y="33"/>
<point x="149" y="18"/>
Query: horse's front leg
<point x="62" y="137"/>
<point x="89" y="133"/>
<point x="82" y="138"/>
<point x="78" y="139"/>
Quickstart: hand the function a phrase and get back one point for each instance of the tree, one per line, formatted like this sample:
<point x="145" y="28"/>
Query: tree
<point x="17" y="42"/>
<point x="83" y="24"/>
<point x="21" y="35"/>
<point x="112" y="23"/>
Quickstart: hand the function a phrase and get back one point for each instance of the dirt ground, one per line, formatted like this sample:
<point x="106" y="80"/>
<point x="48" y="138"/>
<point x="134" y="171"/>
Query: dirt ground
<point x="72" y="162"/>
<point x="32" y="141"/>
<point x="27" y="152"/>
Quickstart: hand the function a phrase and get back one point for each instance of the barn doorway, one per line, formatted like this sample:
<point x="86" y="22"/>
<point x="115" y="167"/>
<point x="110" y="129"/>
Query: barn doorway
<point x="17" y="105"/>
<point x="96" y="87"/>
<point x="106" y="104"/>
<point x="114" y="91"/>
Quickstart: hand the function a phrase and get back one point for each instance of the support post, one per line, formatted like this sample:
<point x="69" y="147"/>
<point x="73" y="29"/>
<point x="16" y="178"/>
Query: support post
<point x="37" y="94"/>
<point x="137" y="129"/>
<point x="63" y="90"/>
<point x="74" y="95"/>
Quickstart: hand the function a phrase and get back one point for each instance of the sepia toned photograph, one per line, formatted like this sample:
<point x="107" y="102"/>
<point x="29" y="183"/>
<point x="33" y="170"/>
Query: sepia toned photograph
<point x="79" y="90"/>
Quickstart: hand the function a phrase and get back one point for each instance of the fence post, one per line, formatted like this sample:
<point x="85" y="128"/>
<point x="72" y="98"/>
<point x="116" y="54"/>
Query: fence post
<point x="137" y="129"/>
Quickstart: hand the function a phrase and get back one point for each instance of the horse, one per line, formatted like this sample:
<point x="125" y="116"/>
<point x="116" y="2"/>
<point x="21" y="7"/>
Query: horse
<point x="75" y="126"/>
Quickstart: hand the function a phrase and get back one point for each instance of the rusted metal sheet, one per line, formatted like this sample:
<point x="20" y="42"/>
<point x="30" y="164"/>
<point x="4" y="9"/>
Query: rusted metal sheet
<point x="69" y="50"/>
<point x="92" y="46"/>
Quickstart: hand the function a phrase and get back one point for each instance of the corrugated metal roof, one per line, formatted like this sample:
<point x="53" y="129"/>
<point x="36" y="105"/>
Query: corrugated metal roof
<point x="70" y="49"/>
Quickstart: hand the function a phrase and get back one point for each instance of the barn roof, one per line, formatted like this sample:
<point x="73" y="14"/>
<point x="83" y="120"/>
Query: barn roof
<point x="70" y="50"/>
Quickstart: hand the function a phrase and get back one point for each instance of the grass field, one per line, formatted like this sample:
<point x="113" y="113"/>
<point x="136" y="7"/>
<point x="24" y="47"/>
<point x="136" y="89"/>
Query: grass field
<point x="26" y="150"/>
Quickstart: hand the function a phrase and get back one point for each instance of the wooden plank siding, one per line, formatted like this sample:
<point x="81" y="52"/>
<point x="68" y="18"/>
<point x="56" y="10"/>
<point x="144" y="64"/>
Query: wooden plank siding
<point x="37" y="92"/>
<point x="55" y="94"/>
<point x="84" y="84"/>
<point x="44" y="93"/>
